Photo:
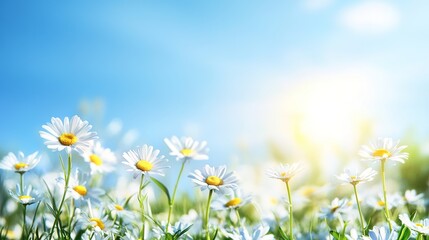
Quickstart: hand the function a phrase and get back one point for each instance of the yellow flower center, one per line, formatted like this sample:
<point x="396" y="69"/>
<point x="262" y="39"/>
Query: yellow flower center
<point x="354" y="180"/>
<point x="98" y="222"/>
<point x="381" y="153"/>
<point x="419" y="225"/>
<point x="213" y="180"/>
<point x="119" y="207"/>
<point x="144" y="165"/>
<point x="20" y="165"/>
<point x="274" y="201"/>
<point x="285" y="177"/>
<point x="96" y="159"/>
<point x="25" y="198"/>
<point x="187" y="152"/>
<point x="233" y="202"/>
<point x="11" y="234"/>
<point x="334" y="209"/>
<point x="308" y="191"/>
<point x="380" y="203"/>
<point x="81" y="190"/>
<point x="67" y="139"/>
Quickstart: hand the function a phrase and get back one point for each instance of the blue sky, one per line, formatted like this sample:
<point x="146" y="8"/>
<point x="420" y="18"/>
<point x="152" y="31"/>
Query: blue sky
<point x="218" y="70"/>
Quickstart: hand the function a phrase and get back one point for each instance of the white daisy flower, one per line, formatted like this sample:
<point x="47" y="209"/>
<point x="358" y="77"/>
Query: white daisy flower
<point x="13" y="233"/>
<point x="337" y="208"/>
<point x="187" y="148"/>
<point x="214" y="179"/>
<point x="285" y="172"/>
<point x="354" y="178"/>
<point x="259" y="233"/>
<point x="411" y="197"/>
<point x="19" y="163"/>
<point x="26" y="196"/>
<point x="231" y="201"/>
<point x="420" y="227"/>
<point x="384" y="149"/>
<point x="395" y="200"/>
<point x="99" y="158"/>
<point x="160" y="232"/>
<point x="78" y="190"/>
<point x="145" y="161"/>
<point x="96" y="221"/>
<point x="73" y="134"/>
<point x="382" y="233"/>
<point x="119" y="208"/>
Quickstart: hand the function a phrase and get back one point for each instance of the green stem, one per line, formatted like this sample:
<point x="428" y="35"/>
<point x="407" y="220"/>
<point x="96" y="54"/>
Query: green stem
<point x="343" y="232"/>
<point x="66" y="185"/>
<point x="383" y="179"/>
<point x="207" y="216"/>
<point x="359" y="209"/>
<point x="238" y="217"/>
<point x="141" y="201"/>
<point x="21" y="185"/>
<point x="24" y="225"/>
<point x="290" y="211"/>
<point x="171" y="204"/>
<point x="72" y="206"/>
<point x="21" y="182"/>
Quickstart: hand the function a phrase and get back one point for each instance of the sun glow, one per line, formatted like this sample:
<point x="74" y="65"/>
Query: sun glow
<point x="329" y="111"/>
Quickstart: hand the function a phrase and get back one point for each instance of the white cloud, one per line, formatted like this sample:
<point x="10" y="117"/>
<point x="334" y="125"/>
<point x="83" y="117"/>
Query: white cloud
<point x="370" y="17"/>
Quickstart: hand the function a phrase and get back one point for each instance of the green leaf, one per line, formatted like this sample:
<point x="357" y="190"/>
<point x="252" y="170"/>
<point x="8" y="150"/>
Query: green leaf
<point x="178" y="234"/>
<point x="34" y="217"/>
<point x="337" y="235"/>
<point x="163" y="188"/>
<point x="367" y="226"/>
<point x="215" y="235"/>
<point x="334" y="234"/>
<point x="404" y="233"/>
<point x="413" y="215"/>
<point x="283" y="234"/>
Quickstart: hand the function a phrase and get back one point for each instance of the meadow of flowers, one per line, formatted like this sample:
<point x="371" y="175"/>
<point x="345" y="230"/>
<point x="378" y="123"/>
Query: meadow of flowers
<point x="79" y="200"/>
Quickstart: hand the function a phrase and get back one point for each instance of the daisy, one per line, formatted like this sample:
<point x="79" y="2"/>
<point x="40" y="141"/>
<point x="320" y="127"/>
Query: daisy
<point x="99" y="158"/>
<point x="214" y="179"/>
<point x="411" y="197"/>
<point x="25" y="196"/>
<point x="231" y="201"/>
<point x="78" y="189"/>
<point x="422" y="227"/>
<point x="384" y="149"/>
<point x="187" y="148"/>
<point x="119" y="209"/>
<point x="178" y="228"/>
<point x="13" y="233"/>
<point x="285" y="172"/>
<point x="336" y="209"/>
<point x="354" y="178"/>
<point x="19" y="163"/>
<point x="73" y="134"/>
<point x="259" y="233"/>
<point x="96" y="221"/>
<point x="378" y="203"/>
<point x="382" y="233"/>
<point x="145" y="161"/>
